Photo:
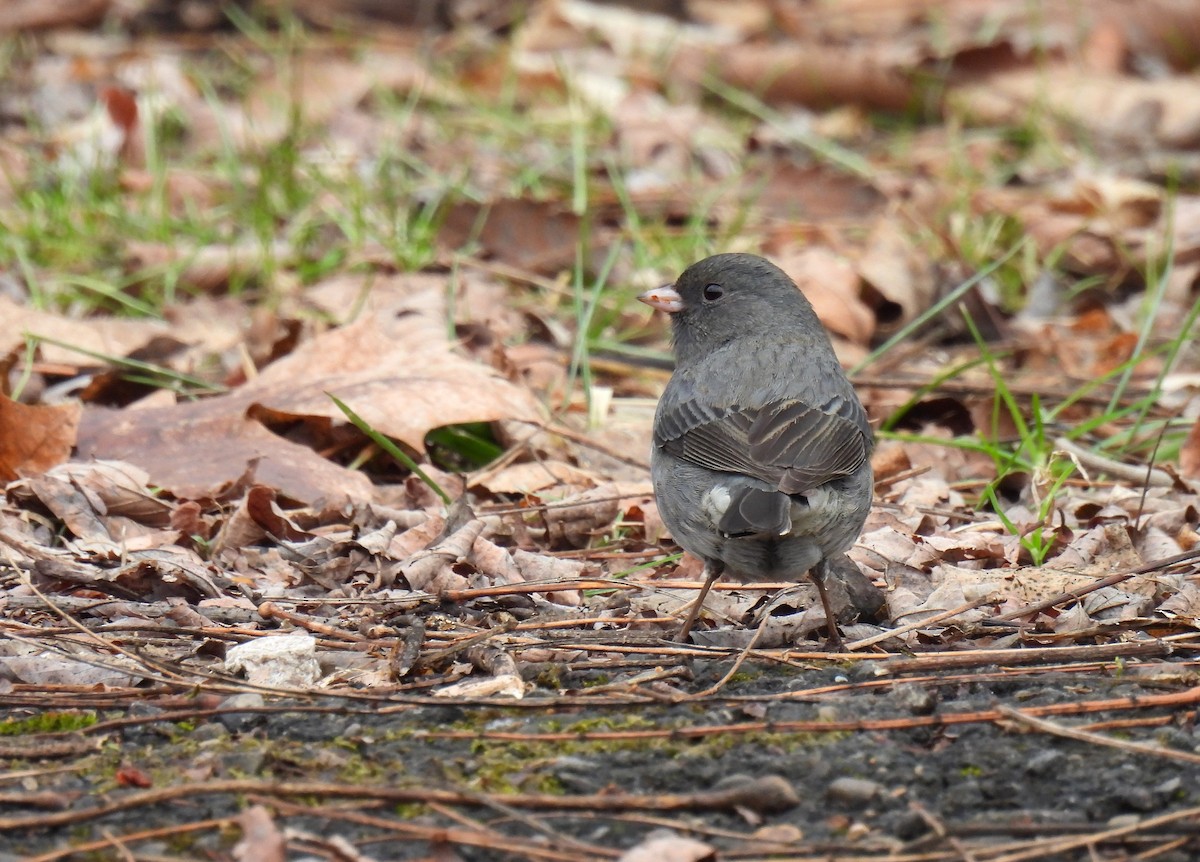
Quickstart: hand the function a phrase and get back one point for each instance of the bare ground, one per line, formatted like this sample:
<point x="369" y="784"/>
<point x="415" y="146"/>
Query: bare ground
<point x="947" y="757"/>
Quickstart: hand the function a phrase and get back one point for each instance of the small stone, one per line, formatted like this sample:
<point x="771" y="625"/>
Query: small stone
<point x="243" y="762"/>
<point x="917" y="699"/>
<point x="209" y="731"/>
<point x="1170" y="787"/>
<point x="1173" y="737"/>
<point x="1043" y="762"/>
<point x="142" y="710"/>
<point x="854" y="790"/>
<point x="967" y="794"/>
<point x="1139" y="799"/>
<point x="866" y="670"/>
<point x="239" y="722"/>
<point x="909" y="826"/>
<point x="137" y="709"/>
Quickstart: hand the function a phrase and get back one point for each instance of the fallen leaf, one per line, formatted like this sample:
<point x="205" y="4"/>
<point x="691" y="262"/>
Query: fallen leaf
<point x="18" y="16"/>
<point x="34" y="438"/>
<point x="892" y="266"/>
<point x="203" y="450"/>
<point x="396" y="370"/>
<point x="1189" y="453"/>
<point x="808" y="74"/>
<point x="105" y="336"/>
<point x="831" y="284"/>
<point x="533" y="236"/>
<point x="207" y="268"/>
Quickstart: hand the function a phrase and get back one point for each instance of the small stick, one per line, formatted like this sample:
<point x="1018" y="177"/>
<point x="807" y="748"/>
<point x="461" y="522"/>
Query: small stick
<point x="1056" y="729"/>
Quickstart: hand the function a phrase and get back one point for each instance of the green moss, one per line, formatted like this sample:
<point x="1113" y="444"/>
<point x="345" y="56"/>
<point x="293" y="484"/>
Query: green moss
<point x="48" y="722"/>
<point x="410" y="810"/>
<point x="550" y="677"/>
<point x="744" y="676"/>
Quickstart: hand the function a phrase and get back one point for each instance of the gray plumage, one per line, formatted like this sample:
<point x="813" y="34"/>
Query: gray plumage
<point x="761" y="458"/>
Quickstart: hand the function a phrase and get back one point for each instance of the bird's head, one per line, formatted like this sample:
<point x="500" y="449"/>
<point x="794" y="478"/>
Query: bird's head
<point x="728" y="297"/>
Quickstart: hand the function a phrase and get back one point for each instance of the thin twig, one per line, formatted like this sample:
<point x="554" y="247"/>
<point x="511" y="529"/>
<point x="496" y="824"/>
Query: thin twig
<point x="1111" y="580"/>
<point x="918" y="624"/>
<point x="1047" y="726"/>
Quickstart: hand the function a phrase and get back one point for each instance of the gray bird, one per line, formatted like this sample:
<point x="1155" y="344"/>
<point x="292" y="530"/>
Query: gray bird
<point x="761" y="460"/>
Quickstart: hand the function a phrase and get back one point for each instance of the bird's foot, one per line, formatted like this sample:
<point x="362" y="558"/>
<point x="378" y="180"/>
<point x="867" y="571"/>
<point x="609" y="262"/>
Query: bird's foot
<point x="711" y="573"/>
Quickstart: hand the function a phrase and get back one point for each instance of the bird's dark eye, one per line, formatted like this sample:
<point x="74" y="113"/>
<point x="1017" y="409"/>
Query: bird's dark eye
<point x="713" y="292"/>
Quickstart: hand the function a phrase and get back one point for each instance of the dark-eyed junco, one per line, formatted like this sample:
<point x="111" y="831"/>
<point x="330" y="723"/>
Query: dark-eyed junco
<point x="761" y="460"/>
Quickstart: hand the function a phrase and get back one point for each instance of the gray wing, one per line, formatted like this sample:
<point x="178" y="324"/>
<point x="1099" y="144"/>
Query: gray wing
<point x="791" y="444"/>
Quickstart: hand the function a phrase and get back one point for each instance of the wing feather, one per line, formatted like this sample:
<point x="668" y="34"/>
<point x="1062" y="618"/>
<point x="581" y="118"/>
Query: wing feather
<point x="789" y="443"/>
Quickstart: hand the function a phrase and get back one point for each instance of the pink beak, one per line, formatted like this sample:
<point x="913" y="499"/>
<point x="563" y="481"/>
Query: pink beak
<point x="665" y="298"/>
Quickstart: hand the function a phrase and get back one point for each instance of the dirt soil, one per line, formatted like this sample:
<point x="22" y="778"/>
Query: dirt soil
<point x="809" y="758"/>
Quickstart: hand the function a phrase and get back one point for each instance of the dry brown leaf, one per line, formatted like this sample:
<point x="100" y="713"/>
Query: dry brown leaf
<point x="495" y="563"/>
<point x="876" y="548"/>
<point x="18" y="16"/>
<point x="831" y="284"/>
<point x="1132" y="111"/>
<point x="203" y="450"/>
<point x="35" y="665"/>
<point x="1122" y="202"/>
<point x="119" y="489"/>
<point x="808" y="74"/>
<point x="577" y="519"/>
<point x="892" y="265"/>
<point x="957" y="547"/>
<point x="541" y="567"/>
<point x="533" y="476"/>
<point x="626" y="32"/>
<point x="417" y="537"/>
<point x="238" y="531"/>
<point x="531" y="235"/>
<point x="395" y="369"/>
<point x="317" y="84"/>
<point x="207" y="268"/>
<point x="913" y="596"/>
<point x="34" y="438"/>
<point x="1184" y="606"/>
<point x="185" y="190"/>
<point x="431" y="570"/>
<point x="1189" y="453"/>
<point x="75" y="508"/>
<point x="948" y="463"/>
<point x="1154" y="543"/>
<point x="662" y="142"/>
<point x="889" y="459"/>
<point x="108" y="336"/>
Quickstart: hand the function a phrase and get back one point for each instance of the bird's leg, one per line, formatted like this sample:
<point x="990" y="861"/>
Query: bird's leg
<point x="712" y="571"/>
<point x="817" y="576"/>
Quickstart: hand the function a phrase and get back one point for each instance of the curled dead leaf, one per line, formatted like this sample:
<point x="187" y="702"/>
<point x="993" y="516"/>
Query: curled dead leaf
<point x="832" y="285"/>
<point x="431" y="570"/>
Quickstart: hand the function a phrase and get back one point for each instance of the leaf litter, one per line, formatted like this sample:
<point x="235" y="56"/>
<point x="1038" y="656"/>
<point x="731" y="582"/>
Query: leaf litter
<point x="220" y="545"/>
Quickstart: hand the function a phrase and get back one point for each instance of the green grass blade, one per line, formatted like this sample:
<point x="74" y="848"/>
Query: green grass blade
<point x="391" y="448"/>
